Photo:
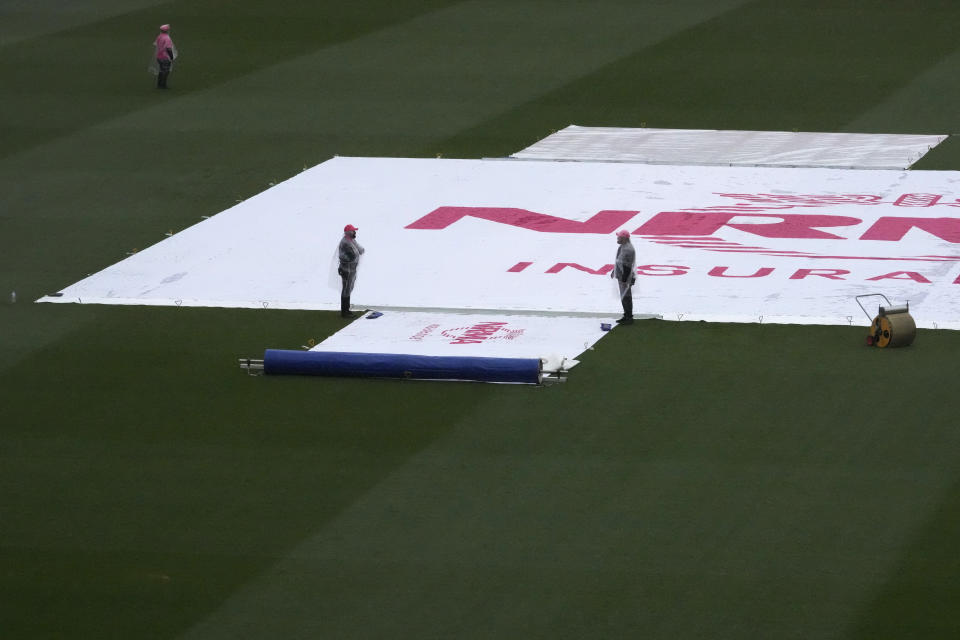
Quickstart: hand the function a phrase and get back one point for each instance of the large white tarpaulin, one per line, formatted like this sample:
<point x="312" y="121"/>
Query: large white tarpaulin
<point x="713" y="243"/>
<point x="556" y="340"/>
<point x="733" y="148"/>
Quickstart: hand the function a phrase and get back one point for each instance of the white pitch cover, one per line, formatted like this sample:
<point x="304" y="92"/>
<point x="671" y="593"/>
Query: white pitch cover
<point x="733" y="148"/>
<point x="735" y="244"/>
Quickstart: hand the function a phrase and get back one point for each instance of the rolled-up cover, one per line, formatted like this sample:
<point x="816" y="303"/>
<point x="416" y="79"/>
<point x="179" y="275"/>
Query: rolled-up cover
<point x="393" y="365"/>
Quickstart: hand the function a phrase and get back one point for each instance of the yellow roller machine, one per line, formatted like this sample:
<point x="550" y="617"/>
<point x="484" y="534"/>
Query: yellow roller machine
<point x="892" y="327"/>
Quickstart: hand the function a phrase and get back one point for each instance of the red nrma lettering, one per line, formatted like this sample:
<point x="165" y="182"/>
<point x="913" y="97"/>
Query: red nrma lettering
<point x="602" y="222"/>
<point x="478" y="332"/>
<point x="698" y="223"/>
<point x="722" y="272"/>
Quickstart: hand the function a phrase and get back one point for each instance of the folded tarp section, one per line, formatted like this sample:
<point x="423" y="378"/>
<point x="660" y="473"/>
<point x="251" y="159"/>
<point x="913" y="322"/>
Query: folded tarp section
<point x="733" y="148"/>
<point x="393" y="365"/>
<point x="556" y="340"/>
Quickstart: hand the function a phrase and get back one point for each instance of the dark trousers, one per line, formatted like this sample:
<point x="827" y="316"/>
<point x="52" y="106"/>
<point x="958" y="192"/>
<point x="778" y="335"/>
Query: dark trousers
<point x="348" y="278"/>
<point x="164" y="66"/>
<point x="626" y="298"/>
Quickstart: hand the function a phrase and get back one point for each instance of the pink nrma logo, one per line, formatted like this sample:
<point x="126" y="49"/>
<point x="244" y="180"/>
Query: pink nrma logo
<point x="766" y="216"/>
<point x="473" y="334"/>
<point x="481" y="332"/>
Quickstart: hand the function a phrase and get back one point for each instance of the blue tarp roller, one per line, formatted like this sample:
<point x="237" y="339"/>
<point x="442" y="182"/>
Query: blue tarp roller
<point x="393" y="365"/>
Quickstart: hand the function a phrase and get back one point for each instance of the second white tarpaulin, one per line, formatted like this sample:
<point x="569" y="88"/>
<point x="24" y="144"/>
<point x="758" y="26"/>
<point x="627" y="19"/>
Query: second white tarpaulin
<point x="733" y="148"/>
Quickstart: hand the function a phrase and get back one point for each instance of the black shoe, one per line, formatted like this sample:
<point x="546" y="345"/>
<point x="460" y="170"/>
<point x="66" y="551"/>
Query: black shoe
<point x="347" y="314"/>
<point x="625" y="321"/>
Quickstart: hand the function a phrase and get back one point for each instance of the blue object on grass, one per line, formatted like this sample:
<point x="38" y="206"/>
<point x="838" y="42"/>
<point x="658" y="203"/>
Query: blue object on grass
<point x="373" y="315"/>
<point x="393" y="365"/>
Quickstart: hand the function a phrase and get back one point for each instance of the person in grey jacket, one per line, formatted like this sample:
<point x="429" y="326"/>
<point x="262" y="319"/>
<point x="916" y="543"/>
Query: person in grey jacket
<point x="625" y="272"/>
<point x="349" y="253"/>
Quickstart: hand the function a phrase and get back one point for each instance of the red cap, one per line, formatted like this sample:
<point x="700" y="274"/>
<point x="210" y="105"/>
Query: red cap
<point x="623" y="233"/>
<point x="349" y="228"/>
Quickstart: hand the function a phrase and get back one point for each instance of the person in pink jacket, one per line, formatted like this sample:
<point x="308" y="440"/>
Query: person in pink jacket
<point x="165" y="52"/>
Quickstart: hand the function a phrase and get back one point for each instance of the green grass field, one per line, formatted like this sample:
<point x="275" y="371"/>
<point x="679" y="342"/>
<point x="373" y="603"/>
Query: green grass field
<point x="690" y="480"/>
